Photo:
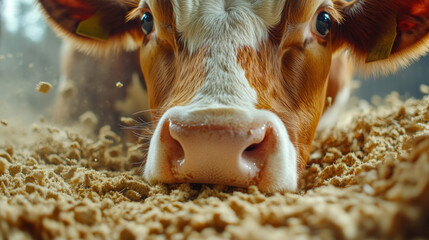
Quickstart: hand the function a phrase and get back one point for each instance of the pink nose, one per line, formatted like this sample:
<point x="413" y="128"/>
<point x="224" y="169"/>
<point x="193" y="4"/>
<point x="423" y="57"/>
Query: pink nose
<point x="217" y="154"/>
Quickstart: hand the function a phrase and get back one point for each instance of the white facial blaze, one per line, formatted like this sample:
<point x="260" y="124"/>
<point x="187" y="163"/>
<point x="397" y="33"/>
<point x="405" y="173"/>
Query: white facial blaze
<point x="221" y="27"/>
<point x="211" y="22"/>
<point x="225" y="83"/>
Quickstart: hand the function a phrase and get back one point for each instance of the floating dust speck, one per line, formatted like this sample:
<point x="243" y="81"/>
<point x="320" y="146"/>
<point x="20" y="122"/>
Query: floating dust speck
<point x="43" y="87"/>
<point x="119" y="85"/>
<point x="376" y="100"/>
<point x="4" y="123"/>
<point x="128" y="121"/>
<point x="30" y="65"/>
<point x="424" y="89"/>
<point x="328" y="103"/>
<point x="88" y="118"/>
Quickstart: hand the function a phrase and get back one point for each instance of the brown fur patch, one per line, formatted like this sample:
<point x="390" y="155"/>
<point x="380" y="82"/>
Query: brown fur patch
<point x="170" y="81"/>
<point x="293" y="90"/>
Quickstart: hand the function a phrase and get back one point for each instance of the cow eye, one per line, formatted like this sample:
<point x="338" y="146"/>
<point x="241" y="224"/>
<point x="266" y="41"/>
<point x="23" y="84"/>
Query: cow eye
<point x="147" y="23"/>
<point x="323" y="23"/>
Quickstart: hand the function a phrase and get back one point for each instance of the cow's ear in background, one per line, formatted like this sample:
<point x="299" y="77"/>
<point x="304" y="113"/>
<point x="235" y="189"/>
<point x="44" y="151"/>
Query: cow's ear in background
<point x="383" y="35"/>
<point x="96" y="26"/>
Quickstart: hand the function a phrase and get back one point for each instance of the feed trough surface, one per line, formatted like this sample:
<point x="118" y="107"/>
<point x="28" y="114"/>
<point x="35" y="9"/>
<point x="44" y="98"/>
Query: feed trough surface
<point x="369" y="178"/>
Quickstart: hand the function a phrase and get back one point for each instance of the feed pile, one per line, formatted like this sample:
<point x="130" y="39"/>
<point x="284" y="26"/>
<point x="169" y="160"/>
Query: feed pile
<point x="369" y="178"/>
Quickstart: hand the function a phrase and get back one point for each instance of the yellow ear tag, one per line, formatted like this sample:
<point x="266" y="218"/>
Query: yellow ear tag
<point x="93" y="28"/>
<point x="384" y="44"/>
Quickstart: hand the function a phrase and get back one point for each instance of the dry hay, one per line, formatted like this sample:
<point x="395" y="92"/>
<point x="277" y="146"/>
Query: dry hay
<point x="367" y="179"/>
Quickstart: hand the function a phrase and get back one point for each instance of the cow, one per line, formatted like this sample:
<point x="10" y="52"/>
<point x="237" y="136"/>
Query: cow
<point x="88" y="84"/>
<point x="237" y="87"/>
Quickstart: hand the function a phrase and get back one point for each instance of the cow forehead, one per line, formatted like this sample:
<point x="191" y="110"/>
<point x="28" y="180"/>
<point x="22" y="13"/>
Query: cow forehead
<point x="237" y="23"/>
<point x="269" y="11"/>
<point x="240" y="22"/>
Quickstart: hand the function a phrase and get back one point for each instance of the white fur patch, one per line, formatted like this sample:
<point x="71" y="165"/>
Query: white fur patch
<point x="239" y="22"/>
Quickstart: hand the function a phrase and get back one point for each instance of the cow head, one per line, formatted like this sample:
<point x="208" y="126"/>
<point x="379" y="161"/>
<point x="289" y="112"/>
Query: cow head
<point x="240" y="85"/>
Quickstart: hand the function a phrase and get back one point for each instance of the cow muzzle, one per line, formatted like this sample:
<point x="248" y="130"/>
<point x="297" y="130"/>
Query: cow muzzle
<point x="223" y="145"/>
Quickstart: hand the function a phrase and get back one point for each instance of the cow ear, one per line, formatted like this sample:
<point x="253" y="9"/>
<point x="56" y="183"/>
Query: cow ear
<point x="95" y="26"/>
<point x="383" y="35"/>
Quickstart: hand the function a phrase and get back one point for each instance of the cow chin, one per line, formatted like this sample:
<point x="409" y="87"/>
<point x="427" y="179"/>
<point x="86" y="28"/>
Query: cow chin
<point x="222" y="145"/>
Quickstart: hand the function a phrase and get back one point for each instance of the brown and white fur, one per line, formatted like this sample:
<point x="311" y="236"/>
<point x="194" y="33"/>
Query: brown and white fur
<point x="240" y="86"/>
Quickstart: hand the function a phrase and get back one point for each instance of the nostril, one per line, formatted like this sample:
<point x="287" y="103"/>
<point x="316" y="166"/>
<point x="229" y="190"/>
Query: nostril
<point x="257" y="152"/>
<point x="253" y="156"/>
<point x="173" y="148"/>
<point x="251" y="147"/>
<point x="177" y="152"/>
<point x="253" y="152"/>
<point x="257" y="144"/>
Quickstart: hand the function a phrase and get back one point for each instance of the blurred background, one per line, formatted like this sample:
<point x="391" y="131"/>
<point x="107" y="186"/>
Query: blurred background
<point x="29" y="53"/>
